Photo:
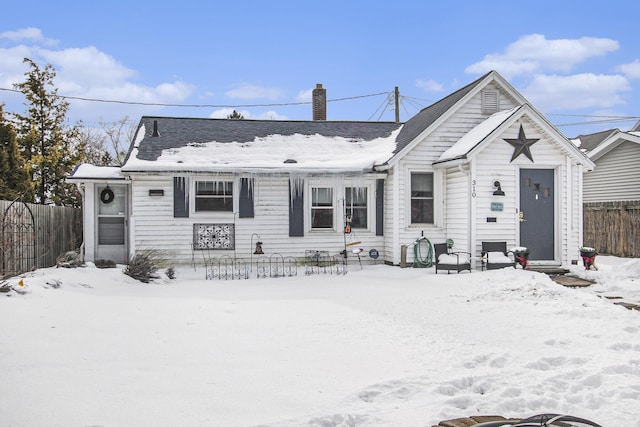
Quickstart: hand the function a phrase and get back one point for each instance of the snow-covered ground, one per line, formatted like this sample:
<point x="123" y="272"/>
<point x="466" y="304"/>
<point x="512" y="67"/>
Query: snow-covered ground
<point x="382" y="346"/>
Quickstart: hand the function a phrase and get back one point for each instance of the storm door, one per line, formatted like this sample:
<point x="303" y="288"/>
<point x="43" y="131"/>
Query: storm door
<point x="537" y="213"/>
<point x="112" y="209"/>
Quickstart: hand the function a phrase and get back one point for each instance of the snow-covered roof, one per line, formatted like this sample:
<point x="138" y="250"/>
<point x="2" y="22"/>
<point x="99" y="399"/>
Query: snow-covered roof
<point x="476" y="135"/>
<point x="92" y="172"/>
<point x="199" y="145"/>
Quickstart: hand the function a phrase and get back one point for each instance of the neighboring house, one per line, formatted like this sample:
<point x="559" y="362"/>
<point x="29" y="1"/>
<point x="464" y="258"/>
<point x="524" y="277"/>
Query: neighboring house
<point x="617" y="156"/>
<point x="479" y="165"/>
<point x="612" y="191"/>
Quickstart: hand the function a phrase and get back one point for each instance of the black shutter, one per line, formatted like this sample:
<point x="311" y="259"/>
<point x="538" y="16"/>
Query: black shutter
<point x="296" y="211"/>
<point x="379" y="207"/>
<point x="180" y="197"/>
<point x="246" y="198"/>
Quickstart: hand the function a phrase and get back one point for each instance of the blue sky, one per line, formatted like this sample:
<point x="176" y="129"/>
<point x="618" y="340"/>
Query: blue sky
<point x="575" y="61"/>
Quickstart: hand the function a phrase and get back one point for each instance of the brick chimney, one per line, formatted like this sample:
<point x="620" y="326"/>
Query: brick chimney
<point x="319" y="103"/>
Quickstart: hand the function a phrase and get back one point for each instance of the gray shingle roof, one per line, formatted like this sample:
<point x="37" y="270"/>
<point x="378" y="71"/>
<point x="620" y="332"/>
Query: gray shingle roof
<point x="427" y="116"/>
<point x="590" y="141"/>
<point x="176" y="132"/>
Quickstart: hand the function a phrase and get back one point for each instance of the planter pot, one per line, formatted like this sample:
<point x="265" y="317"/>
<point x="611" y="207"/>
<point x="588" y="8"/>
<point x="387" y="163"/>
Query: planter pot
<point x="588" y="252"/>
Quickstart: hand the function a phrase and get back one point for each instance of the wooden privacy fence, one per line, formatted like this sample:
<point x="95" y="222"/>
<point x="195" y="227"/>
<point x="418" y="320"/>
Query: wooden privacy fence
<point x="613" y="227"/>
<point x="34" y="236"/>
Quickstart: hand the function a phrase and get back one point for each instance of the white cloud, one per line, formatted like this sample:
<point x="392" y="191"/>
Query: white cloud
<point x="533" y="53"/>
<point x="631" y="70"/>
<point x="429" y="85"/>
<point x="12" y="68"/>
<point x="305" y="95"/>
<point x="127" y="91"/>
<point x="249" y="91"/>
<point x="87" y="66"/>
<point x="271" y="115"/>
<point x="88" y="73"/>
<point x="30" y="34"/>
<point x="554" y="93"/>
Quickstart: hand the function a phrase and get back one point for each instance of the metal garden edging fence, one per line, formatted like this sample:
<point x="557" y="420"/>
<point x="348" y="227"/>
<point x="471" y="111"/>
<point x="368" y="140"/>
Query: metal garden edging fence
<point x="613" y="227"/>
<point x="34" y="236"/>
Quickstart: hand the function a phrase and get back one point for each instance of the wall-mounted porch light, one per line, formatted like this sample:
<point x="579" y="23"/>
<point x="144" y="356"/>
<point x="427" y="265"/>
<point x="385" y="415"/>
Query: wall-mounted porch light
<point x="498" y="191"/>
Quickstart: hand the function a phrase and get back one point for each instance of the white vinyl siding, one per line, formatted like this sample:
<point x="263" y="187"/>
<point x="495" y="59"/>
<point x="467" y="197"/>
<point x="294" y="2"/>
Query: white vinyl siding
<point x="490" y="167"/>
<point x="156" y="228"/>
<point x="398" y="228"/>
<point x="458" y="203"/>
<point x="616" y="176"/>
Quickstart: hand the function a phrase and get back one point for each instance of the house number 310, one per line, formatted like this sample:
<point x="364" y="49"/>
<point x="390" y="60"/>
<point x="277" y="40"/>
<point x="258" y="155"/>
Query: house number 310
<point x="473" y="188"/>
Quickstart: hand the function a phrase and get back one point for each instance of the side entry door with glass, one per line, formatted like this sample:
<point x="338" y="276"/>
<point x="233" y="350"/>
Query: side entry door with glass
<point x="112" y="225"/>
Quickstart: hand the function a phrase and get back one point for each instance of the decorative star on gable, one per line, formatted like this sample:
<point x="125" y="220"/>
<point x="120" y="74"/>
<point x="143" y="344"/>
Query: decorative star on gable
<point x="522" y="145"/>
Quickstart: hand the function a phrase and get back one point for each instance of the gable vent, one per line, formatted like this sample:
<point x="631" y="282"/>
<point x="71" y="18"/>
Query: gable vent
<point x="490" y="101"/>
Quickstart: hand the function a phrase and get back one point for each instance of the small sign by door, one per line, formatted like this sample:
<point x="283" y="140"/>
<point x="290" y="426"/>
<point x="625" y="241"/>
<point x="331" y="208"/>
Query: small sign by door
<point x="497" y="207"/>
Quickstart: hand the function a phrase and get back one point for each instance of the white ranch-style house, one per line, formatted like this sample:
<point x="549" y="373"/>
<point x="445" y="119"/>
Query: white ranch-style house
<point x="480" y="165"/>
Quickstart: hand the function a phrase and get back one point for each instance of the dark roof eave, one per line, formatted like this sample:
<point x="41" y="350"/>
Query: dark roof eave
<point x="453" y="161"/>
<point x="252" y="170"/>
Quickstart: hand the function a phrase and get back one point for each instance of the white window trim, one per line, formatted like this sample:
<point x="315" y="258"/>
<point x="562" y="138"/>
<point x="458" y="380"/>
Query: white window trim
<point x="437" y="198"/>
<point x="338" y="187"/>
<point x="213" y="214"/>
<point x="309" y="205"/>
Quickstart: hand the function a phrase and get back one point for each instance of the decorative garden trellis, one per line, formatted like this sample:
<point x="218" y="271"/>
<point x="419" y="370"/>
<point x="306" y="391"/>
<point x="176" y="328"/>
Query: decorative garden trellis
<point x="18" y="239"/>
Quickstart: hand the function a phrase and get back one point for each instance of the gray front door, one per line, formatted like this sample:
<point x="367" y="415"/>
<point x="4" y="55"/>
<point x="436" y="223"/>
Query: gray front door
<point x="537" y="213"/>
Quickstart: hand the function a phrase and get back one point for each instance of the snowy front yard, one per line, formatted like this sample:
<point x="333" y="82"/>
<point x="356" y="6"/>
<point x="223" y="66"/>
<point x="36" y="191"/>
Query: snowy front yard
<point x="382" y="346"/>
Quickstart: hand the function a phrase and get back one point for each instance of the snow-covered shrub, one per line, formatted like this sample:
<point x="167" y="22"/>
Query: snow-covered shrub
<point x="104" y="263"/>
<point x="143" y="265"/>
<point x="70" y="259"/>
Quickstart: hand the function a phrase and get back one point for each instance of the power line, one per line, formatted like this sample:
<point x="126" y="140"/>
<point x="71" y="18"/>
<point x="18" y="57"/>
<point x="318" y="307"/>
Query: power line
<point x="598" y="122"/>
<point x="588" y="115"/>
<point x="411" y="100"/>
<point x="603" y="119"/>
<point x="383" y="104"/>
<point x="157" y="104"/>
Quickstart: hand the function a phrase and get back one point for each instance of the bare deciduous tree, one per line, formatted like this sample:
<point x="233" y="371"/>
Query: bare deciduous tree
<point x="93" y="144"/>
<point x="118" y="135"/>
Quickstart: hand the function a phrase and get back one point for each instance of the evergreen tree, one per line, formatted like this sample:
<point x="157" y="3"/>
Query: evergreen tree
<point x="14" y="179"/>
<point x="47" y="144"/>
<point x="235" y="115"/>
